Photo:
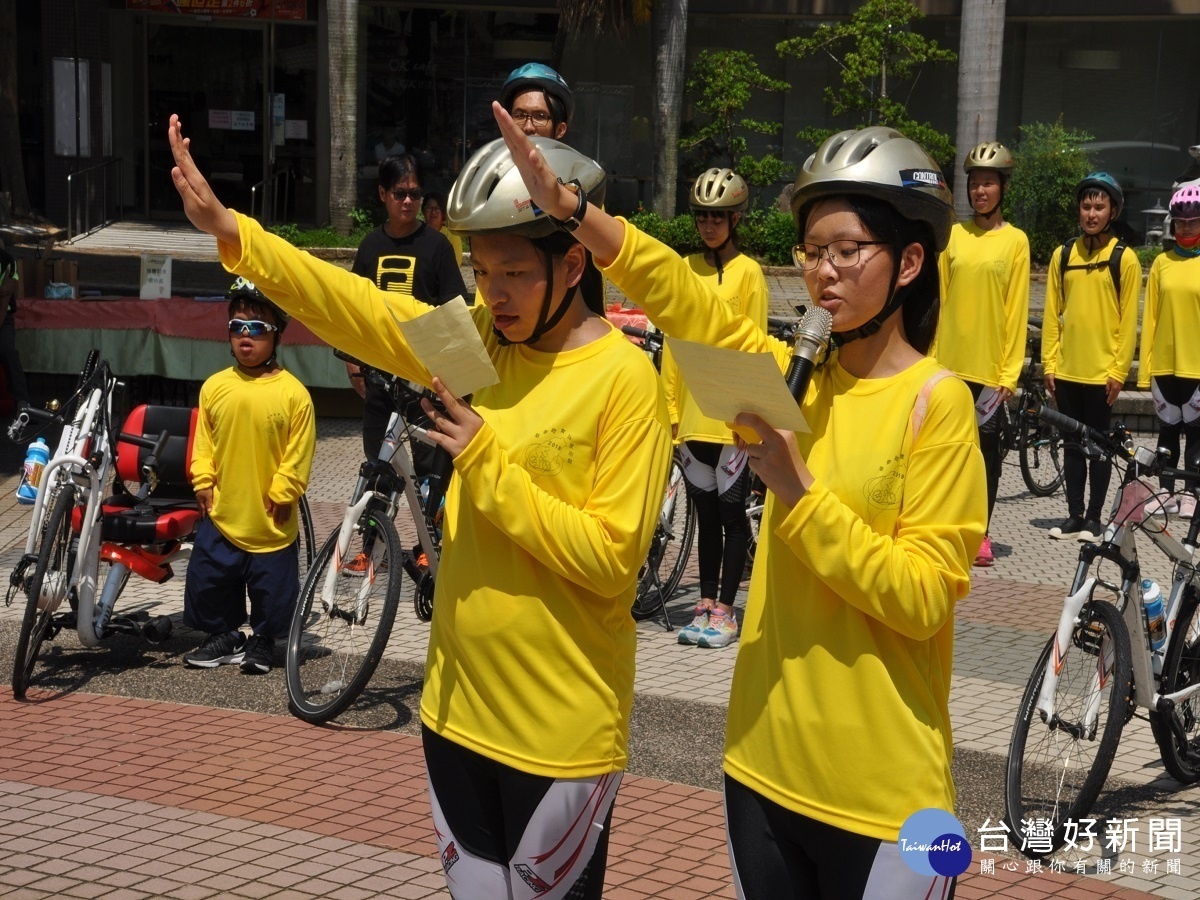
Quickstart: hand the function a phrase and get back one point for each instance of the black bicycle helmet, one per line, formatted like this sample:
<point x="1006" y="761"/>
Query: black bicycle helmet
<point x="537" y="76"/>
<point x="244" y="291"/>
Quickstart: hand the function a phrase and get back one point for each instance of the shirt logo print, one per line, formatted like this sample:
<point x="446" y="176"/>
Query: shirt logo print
<point x="554" y="450"/>
<point x="886" y="490"/>
<point x="396" y="274"/>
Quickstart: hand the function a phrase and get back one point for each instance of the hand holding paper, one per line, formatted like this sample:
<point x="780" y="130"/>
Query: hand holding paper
<point x="446" y="341"/>
<point x="726" y="382"/>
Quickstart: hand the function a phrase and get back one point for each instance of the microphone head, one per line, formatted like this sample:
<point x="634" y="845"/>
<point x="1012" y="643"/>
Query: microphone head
<point x="817" y="326"/>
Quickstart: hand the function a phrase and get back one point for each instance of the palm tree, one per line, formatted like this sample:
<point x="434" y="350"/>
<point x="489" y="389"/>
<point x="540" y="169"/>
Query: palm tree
<point x="669" y="21"/>
<point x="979" y="56"/>
<point x="343" y="111"/>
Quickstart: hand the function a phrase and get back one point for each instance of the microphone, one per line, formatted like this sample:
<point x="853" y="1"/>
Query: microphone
<point x="812" y="339"/>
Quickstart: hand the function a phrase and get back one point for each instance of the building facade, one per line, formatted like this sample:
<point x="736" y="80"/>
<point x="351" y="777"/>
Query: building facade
<point x="99" y="78"/>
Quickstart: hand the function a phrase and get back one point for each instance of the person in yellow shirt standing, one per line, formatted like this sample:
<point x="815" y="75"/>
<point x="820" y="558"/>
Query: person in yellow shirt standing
<point x="984" y="273"/>
<point x="1088" y="335"/>
<point x="716" y="471"/>
<point x="251" y="458"/>
<point x="1170" y="358"/>
<point x="872" y="520"/>
<point x="559" y="470"/>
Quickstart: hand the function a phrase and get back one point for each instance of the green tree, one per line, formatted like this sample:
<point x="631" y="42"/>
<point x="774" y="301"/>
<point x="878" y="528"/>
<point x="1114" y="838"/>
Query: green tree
<point x="1040" y="199"/>
<point x="720" y="86"/>
<point x="880" y="60"/>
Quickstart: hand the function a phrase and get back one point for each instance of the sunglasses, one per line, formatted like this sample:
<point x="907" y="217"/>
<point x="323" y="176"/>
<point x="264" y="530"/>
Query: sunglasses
<point x="402" y="194"/>
<point x="251" y="327"/>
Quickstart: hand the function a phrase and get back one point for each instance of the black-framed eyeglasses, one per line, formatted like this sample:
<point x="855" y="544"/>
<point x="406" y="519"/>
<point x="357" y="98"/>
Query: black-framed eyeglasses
<point x="842" y="254"/>
<point x="251" y="327"/>
<point x="402" y="194"/>
<point x="539" y="118"/>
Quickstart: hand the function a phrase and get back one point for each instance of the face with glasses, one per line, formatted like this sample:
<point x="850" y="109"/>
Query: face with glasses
<point x="403" y="202"/>
<point x="847" y="269"/>
<point x="252" y="335"/>
<point x="532" y="114"/>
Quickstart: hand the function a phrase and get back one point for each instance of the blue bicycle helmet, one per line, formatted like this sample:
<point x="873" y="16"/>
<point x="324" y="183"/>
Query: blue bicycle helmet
<point x="537" y="76"/>
<point x="1104" y="182"/>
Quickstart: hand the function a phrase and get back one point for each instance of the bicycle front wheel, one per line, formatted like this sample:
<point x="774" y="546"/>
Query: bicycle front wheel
<point x="1057" y="768"/>
<point x="670" y="547"/>
<point x="47" y="590"/>
<point x="1178" y="732"/>
<point x="1040" y="449"/>
<point x="308" y="542"/>
<point x="338" y="635"/>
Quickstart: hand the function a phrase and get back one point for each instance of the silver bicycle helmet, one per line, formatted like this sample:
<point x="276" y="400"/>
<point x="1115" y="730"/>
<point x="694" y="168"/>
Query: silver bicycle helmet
<point x="489" y="197"/>
<point x="721" y="190"/>
<point x="990" y="155"/>
<point x="879" y="162"/>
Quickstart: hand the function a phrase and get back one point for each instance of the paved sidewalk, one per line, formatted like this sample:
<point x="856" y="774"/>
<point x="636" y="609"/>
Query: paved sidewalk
<point x="103" y="795"/>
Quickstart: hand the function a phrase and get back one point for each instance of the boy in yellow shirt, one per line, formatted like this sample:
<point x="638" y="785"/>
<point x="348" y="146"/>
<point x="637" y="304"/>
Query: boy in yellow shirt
<point x="250" y="464"/>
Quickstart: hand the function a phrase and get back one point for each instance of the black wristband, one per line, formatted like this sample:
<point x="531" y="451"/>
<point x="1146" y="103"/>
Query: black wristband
<point x="574" y="220"/>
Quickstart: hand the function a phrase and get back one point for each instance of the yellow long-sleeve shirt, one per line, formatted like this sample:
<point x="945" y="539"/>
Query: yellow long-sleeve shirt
<point x="254" y="440"/>
<point x="985" y="304"/>
<point x="1171" y="319"/>
<point x="847" y="641"/>
<point x="1088" y="332"/>
<point x="548" y="518"/>
<point x="743" y="288"/>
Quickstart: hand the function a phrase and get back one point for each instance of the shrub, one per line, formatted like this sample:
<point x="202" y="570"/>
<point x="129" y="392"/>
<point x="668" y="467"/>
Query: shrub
<point x="1147" y="255"/>
<point x="1040" y="200"/>
<point x="766" y="235"/>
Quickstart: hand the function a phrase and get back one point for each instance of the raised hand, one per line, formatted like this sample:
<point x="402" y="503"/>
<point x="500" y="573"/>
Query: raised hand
<point x="203" y="208"/>
<point x="542" y="183"/>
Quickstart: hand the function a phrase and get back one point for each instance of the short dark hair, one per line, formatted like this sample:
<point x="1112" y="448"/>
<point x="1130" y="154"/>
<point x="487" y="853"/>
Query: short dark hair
<point x="395" y="169"/>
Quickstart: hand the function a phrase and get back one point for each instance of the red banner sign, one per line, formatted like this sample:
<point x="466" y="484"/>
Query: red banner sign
<point x="262" y="9"/>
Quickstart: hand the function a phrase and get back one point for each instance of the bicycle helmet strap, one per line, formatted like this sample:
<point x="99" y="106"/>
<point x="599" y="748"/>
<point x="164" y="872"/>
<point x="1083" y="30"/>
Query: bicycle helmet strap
<point x="545" y="321"/>
<point x="896" y="300"/>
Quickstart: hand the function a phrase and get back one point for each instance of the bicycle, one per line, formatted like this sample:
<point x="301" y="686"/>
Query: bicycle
<point x="344" y="618"/>
<point x="671" y="544"/>
<point x="1039" y="445"/>
<point x="1100" y="666"/>
<point x="142" y="533"/>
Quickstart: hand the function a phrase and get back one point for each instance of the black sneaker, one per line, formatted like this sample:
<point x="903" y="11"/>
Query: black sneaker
<point x="217" y="650"/>
<point x="260" y="653"/>
<point x="1068" y="530"/>
<point x="1092" y="531"/>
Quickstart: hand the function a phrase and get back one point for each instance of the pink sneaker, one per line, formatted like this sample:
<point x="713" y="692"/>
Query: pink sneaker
<point x="984" y="557"/>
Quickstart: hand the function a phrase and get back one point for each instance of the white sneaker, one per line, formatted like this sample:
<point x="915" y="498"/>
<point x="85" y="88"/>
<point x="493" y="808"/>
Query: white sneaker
<point x="1162" y="505"/>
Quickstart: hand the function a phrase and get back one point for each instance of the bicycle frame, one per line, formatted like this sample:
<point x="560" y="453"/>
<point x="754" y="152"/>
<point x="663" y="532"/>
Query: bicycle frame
<point x="392" y="453"/>
<point x="1118" y="545"/>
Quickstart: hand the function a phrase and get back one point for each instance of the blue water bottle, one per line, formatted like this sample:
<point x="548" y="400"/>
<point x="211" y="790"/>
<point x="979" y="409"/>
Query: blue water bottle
<point x="35" y="462"/>
<point x="1155" y="615"/>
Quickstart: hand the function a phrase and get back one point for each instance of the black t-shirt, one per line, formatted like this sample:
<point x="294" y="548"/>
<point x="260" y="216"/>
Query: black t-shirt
<point x="421" y="265"/>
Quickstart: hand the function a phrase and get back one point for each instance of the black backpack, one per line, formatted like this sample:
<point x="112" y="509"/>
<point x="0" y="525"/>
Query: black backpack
<point x="1113" y="263"/>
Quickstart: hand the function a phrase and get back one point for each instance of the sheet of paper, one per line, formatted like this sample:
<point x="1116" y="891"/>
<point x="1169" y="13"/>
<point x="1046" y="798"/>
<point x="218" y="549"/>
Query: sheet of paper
<point x="726" y="382"/>
<point x="446" y="341"/>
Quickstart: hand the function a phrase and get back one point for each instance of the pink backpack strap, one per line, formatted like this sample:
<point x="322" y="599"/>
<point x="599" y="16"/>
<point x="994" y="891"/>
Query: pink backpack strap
<point x="922" y="404"/>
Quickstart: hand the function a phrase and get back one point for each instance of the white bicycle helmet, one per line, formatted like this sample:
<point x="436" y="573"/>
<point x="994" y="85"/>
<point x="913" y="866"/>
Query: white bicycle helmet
<point x="489" y="197"/>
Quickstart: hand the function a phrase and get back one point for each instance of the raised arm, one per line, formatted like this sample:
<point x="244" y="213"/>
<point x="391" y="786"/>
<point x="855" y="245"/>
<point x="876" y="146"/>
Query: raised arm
<point x="203" y="208"/>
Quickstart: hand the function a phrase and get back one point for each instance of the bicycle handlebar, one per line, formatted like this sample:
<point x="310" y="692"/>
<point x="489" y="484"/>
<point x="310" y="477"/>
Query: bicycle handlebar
<point x="651" y="340"/>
